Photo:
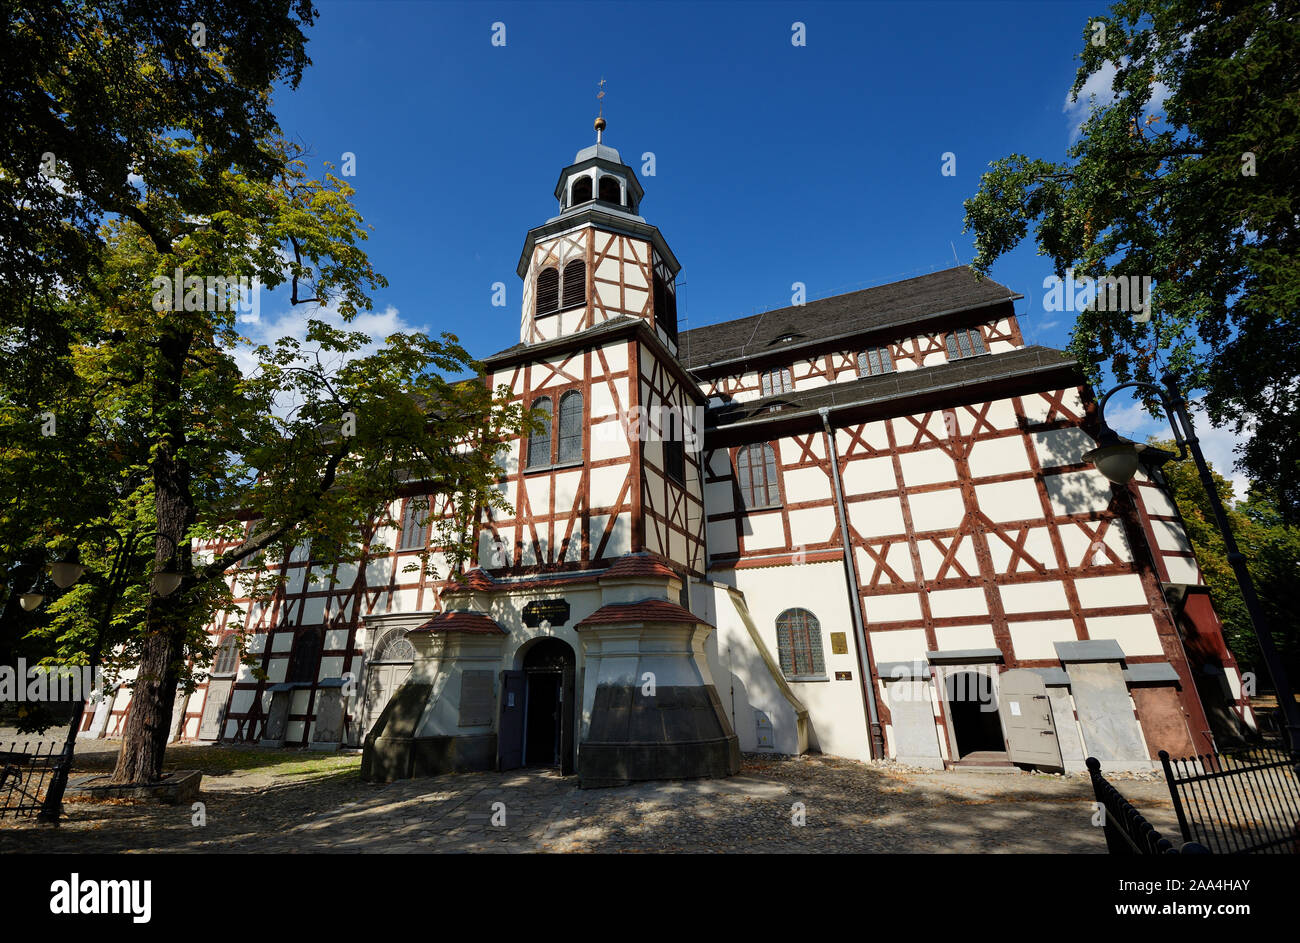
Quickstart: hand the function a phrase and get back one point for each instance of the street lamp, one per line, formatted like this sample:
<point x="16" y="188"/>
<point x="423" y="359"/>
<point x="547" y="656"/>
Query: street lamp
<point x="65" y="573"/>
<point x="1118" y="460"/>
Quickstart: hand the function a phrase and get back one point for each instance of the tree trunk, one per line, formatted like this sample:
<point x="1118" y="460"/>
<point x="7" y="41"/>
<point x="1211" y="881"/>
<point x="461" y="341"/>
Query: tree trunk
<point x="167" y="618"/>
<point x="149" y="721"/>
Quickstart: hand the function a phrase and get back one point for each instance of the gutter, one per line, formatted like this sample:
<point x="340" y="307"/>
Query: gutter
<point x="877" y="743"/>
<point x="894" y="394"/>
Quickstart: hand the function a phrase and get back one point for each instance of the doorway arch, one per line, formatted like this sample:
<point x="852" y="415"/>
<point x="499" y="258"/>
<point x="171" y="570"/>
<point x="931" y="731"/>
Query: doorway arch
<point x="542" y="733"/>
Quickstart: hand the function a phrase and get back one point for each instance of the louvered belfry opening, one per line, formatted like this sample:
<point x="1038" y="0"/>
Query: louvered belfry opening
<point x="548" y="291"/>
<point x="575" y="284"/>
<point x="610" y="191"/>
<point x="581" y="191"/>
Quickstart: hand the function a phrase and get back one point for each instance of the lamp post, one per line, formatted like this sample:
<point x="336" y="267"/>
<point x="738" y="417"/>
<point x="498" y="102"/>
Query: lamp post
<point x="65" y="573"/>
<point x="1118" y="460"/>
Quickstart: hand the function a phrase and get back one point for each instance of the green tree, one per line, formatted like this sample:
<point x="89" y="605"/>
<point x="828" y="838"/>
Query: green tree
<point x="1272" y="551"/>
<point x="315" y="438"/>
<point x="1189" y="175"/>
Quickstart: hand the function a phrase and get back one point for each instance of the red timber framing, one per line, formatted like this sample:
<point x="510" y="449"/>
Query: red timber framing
<point x="557" y="523"/>
<point x="620" y="281"/>
<point x="672" y="512"/>
<point x="617" y="499"/>
<point x="818" y="365"/>
<point x="272" y="613"/>
<point x="955" y="549"/>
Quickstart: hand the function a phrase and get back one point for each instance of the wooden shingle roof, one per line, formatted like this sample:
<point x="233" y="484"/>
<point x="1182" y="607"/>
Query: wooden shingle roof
<point x="914" y="299"/>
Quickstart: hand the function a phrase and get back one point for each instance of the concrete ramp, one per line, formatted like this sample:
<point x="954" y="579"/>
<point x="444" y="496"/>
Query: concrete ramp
<point x="764" y="711"/>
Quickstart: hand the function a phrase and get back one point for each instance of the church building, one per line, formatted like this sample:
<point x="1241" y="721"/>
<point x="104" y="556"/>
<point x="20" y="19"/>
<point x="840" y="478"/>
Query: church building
<point x="862" y="526"/>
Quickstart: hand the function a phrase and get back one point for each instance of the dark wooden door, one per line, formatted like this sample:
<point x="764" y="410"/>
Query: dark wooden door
<point x="567" y="715"/>
<point x="510" y="731"/>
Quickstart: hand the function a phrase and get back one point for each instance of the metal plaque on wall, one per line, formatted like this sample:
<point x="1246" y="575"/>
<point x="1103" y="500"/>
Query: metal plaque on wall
<point x="554" y="611"/>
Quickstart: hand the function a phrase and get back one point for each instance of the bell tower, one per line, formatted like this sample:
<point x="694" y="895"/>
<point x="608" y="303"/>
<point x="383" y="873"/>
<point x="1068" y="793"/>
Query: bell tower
<point x="598" y="259"/>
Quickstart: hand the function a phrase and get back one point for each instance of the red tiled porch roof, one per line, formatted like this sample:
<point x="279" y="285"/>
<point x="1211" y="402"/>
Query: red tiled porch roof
<point x="648" y="610"/>
<point x="457" y="620"/>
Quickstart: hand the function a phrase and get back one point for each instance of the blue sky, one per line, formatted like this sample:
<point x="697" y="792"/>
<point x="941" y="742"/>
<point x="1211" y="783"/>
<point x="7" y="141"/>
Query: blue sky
<point x="774" y="163"/>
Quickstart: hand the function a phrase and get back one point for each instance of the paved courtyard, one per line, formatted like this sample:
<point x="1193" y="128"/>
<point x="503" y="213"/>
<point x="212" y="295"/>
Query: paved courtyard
<point x="277" y="801"/>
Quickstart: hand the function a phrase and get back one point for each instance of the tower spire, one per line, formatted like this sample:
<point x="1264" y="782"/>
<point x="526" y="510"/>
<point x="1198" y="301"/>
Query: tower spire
<point x="600" y="117"/>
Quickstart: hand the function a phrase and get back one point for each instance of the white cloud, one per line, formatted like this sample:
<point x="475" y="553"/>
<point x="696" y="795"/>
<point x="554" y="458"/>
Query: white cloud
<point x="1097" y="93"/>
<point x="378" y="325"/>
<point x="1219" y="444"/>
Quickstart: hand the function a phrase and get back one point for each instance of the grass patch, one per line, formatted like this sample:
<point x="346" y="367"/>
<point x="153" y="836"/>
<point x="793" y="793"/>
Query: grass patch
<point x="223" y="760"/>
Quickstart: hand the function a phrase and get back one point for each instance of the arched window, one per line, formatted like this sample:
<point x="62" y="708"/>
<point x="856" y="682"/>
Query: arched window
<point x="539" y="443"/>
<point x="305" y="660"/>
<point x="756" y="476"/>
<point x="548" y="291"/>
<point x="610" y="191"/>
<point x="581" y="191"/>
<point x="799" y="644"/>
<point x="571" y="426"/>
<point x="395" y="647"/>
<point x="227" y="660"/>
<point x="575" y="284"/>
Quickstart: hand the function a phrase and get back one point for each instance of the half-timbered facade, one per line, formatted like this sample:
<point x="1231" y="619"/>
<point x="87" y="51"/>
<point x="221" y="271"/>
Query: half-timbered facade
<point x="861" y="525"/>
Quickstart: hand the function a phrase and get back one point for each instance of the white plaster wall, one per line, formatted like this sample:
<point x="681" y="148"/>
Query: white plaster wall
<point x="835" y="708"/>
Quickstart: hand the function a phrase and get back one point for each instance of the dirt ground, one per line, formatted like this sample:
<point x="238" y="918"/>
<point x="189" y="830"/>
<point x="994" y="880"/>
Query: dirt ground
<point x="256" y="800"/>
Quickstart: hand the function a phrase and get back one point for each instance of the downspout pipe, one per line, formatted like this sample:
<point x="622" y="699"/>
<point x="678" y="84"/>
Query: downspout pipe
<point x="877" y="742"/>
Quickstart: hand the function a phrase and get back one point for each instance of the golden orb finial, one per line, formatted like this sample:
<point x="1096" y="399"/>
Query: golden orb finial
<point x="600" y="117"/>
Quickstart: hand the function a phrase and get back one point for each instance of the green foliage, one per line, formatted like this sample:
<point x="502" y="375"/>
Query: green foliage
<point x="171" y="424"/>
<point x="1272" y="551"/>
<point x="1155" y="187"/>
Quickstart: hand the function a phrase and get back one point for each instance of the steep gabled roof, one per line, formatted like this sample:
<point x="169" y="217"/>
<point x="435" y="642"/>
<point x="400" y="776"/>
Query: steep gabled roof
<point x="914" y="299"/>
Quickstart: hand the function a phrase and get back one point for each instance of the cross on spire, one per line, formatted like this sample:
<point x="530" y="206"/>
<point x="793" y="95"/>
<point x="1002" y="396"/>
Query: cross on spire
<point x="600" y="117"/>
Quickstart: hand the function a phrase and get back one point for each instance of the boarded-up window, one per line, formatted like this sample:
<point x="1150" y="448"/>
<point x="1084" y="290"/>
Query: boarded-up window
<point x="610" y="191"/>
<point x="575" y="284"/>
<point x="414" y="520"/>
<point x="477" y="701"/>
<point x="571" y="427"/>
<point x="777" y="380"/>
<point x="756" y="475"/>
<point x="874" y="361"/>
<point x="581" y="190"/>
<point x="539" y="443"/>
<point x="965" y="342"/>
<point x="548" y="291"/>
<point x="799" y="644"/>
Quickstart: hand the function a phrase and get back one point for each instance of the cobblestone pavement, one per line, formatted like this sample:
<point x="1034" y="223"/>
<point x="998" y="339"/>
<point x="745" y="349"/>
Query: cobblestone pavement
<point x="311" y="803"/>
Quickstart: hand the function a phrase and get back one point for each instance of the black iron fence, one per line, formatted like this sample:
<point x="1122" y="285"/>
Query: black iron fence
<point x="1243" y="802"/>
<point x="25" y="776"/>
<point x="1127" y="830"/>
